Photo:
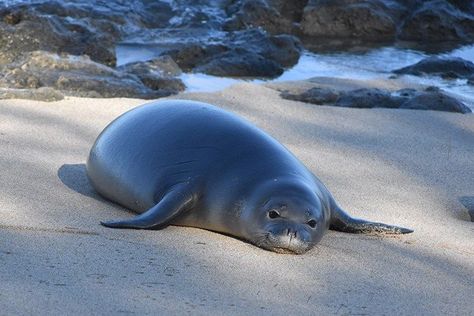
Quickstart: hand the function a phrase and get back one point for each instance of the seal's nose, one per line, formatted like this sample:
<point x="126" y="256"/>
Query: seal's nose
<point x="291" y="232"/>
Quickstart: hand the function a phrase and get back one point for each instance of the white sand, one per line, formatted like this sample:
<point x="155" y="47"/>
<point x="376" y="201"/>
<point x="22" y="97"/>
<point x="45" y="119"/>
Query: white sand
<point x="397" y="166"/>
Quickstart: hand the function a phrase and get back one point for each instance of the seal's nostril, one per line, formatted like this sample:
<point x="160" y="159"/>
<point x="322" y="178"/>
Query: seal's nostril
<point x="295" y="233"/>
<point x="288" y="231"/>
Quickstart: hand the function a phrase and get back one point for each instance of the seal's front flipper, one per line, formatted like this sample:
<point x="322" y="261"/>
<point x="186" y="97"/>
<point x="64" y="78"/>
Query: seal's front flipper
<point x="172" y="204"/>
<point x="341" y="221"/>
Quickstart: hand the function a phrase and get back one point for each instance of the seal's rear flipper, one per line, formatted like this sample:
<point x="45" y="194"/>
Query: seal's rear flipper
<point x="341" y="221"/>
<point x="172" y="204"/>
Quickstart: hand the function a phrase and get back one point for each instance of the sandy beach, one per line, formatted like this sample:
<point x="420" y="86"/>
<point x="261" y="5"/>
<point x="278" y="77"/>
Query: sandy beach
<point x="405" y="167"/>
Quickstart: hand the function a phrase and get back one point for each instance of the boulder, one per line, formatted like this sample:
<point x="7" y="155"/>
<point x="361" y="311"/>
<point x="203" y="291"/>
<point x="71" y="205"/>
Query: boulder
<point x="158" y="74"/>
<point x="368" y="98"/>
<point x="79" y="28"/>
<point x="439" y="21"/>
<point x="350" y="19"/>
<point x="314" y="95"/>
<point x="247" y="47"/>
<point x="432" y="98"/>
<point x="446" y="67"/>
<point x="251" y="14"/>
<point x="240" y="63"/>
<point x="80" y="76"/>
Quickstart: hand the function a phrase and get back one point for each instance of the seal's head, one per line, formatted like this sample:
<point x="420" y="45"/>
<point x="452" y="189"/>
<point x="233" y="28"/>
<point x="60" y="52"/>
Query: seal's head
<point x="289" y="218"/>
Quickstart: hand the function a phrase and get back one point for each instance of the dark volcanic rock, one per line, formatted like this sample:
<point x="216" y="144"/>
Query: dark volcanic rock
<point x="351" y="19"/>
<point x="434" y="99"/>
<point x="189" y="56"/>
<point x="314" y="95"/>
<point x="439" y="21"/>
<point x="80" y="76"/>
<point x="431" y="98"/>
<point x="75" y="27"/>
<point x="448" y="67"/>
<point x="292" y="10"/>
<point x="258" y="13"/>
<point x="241" y="63"/>
<point x="157" y="74"/>
<point x="368" y="98"/>
<point x="246" y="48"/>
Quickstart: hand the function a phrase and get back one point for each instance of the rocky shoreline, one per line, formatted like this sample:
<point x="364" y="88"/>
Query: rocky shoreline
<point x="52" y="49"/>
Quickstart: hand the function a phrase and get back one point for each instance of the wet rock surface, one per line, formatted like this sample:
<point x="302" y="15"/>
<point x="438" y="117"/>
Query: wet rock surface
<point x="430" y="98"/>
<point x="249" y="14"/>
<point x="434" y="99"/>
<point x="440" y="20"/>
<point x="80" y="76"/>
<point x="337" y="24"/>
<point x="248" y="53"/>
<point x="314" y="95"/>
<point x="159" y="74"/>
<point x="79" y="28"/>
<point x="445" y="67"/>
<point x="238" y="63"/>
<point x="370" y="20"/>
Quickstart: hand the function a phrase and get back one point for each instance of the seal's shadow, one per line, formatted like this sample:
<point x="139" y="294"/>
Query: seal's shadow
<point x="74" y="176"/>
<point x="468" y="202"/>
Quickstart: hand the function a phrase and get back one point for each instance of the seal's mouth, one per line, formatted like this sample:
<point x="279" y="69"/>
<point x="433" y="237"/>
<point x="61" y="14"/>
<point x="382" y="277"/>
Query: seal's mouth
<point x="286" y="251"/>
<point x="282" y="244"/>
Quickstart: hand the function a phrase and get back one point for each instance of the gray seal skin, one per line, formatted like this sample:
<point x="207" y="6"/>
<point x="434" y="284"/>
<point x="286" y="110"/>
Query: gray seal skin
<point x="192" y="164"/>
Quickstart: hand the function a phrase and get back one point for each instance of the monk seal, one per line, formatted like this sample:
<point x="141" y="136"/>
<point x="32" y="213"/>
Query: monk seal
<point x="193" y="164"/>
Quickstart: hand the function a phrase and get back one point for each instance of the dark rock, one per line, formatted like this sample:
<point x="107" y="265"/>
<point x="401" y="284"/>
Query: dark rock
<point x="258" y="14"/>
<point x="432" y="98"/>
<point x="157" y="74"/>
<point x="463" y="5"/>
<point x="435" y="100"/>
<point x="283" y="49"/>
<point x="38" y="30"/>
<point x="241" y="63"/>
<point x="291" y="10"/>
<point x="80" y="76"/>
<point x="340" y="24"/>
<point x="76" y="27"/>
<point x="12" y="18"/>
<point x="314" y="95"/>
<point x="369" y="98"/>
<point x="192" y="14"/>
<point x="350" y="19"/>
<point x="246" y="47"/>
<point x="448" y="67"/>
<point x="439" y="21"/>
<point x="191" y="55"/>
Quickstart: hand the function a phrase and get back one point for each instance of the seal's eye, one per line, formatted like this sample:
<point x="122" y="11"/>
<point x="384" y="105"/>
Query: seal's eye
<point x="312" y="223"/>
<point x="273" y="214"/>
